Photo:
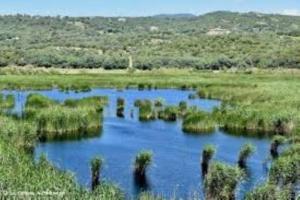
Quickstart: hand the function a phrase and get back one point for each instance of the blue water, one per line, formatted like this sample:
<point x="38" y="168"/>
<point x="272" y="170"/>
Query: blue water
<point x="176" y="169"/>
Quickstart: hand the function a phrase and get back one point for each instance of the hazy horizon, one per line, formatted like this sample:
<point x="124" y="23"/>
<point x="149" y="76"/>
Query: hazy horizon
<point x="142" y="8"/>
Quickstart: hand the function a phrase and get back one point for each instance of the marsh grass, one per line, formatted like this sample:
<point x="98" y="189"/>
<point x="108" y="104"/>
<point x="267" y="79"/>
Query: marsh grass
<point x="276" y="142"/>
<point x="169" y="113"/>
<point x="6" y="103"/>
<point x="221" y="181"/>
<point x="54" y="120"/>
<point x="142" y="161"/>
<point x="263" y="101"/>
<point x="192" y="96"/>
<point x="120" y="107"/>
<point x="96" y="164"/>
<point x="19" y="172"/>
<point x="269" y="191"/>
<point x="246" y="151"/>
<point x="38" y="101"/>
<point x="197" y="122"/>
<point x="159" y="102"/>
<point x="146" y="111"/>
<point x="207" y="154"/>
<point x="183" y="107"/>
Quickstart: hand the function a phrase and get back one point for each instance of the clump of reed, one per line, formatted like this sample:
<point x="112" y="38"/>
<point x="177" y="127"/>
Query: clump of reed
<point x="96" y="101"/>
<point x="141" y="163"/>
<point x="57" y="121"/>
<point x="246" y="151"/>
<point x="20" y="172"/>
<point x="96" y="164"/>
<point x="207" y="154"/>
<point x="203" y="93"/>
<point x="198" y="122"/>
<point x="149" y="196"/>
<point x="169" y="113"/>
<point x="183" y="107"/>
<point x="141" y="86"/>
<point x="221" y="181"/>
<point x="285" y="170"/>
<point x="159" y="102"/>
<point x="276" y="142"/>
<point x="54" y="120"/>
<point x="269" y="191"/>
<point x="120" y="107"/>
<point x="192" y="96"/>
<point x="20" y="134"/>
<point x="146" y="111"/>
<point x="38" y="101"/>
<point x="7" y="102"/>
<point x="244" y="118"/>
<point x="76" y="88"/>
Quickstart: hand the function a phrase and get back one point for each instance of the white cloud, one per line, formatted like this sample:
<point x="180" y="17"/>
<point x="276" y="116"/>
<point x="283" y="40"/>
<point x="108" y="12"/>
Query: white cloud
<point x="293" y="12"/>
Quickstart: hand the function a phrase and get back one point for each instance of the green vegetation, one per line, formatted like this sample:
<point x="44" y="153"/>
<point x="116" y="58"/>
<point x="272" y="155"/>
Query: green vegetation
<point x="19" y="172"/>
<point x="120" y="107"/>
<point x="73" y="117"/>
<point x="213" y="41"/>
<point x="168" y="113"/>
<point x="221" y="181"/>
<point x="250" y="102"/>
<point x="246" y="151"/>
<point x="183" y="107"/>
<point x="142" y="161"/>
<point x="159" y="102"/>
<point x="6" y="102"/>
<point x="96" y="164"/>
<point x="269" y="192"/>
<point x="254" y="101"/>
<point x="198" y="122"/>
<point x="276" y="142"/>
<point x="146" y="111"/>
<point x="207" y="154"/>
<point x="283" y="178"/>
<point x="149" y="196"/>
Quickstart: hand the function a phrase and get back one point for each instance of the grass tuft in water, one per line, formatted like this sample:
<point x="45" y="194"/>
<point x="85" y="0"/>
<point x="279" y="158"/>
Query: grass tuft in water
<point x="221" y="181"/>
<point x="276" y="142"/>
<point x="120" y="107"/>
<point x="142" y="161"/>
<point x="146" y="111"/>
<point x="197" y="122"/>
<point x="207" y="154"/>
<point x="54" y="120"/>
<point x="96" y="164"/>
<point x="246" y="151"/>
<point x="169" y="113"/>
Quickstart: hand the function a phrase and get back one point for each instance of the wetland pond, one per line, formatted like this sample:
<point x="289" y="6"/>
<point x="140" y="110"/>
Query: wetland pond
<point x="176" y="168"/>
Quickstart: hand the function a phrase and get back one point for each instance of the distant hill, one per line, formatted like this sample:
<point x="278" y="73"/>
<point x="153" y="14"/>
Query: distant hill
<point x="211" y="41"/>
<point x="181" y="15"/>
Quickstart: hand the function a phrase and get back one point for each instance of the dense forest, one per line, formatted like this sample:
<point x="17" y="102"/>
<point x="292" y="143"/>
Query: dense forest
<point x="212" y="41"/>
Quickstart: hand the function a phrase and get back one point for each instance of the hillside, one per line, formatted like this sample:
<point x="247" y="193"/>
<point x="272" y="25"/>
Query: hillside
<point x="211" y="41"/>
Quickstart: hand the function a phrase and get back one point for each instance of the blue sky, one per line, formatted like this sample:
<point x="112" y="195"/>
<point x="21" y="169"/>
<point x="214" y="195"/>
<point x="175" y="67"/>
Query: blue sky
<point x="143" y="7"/>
